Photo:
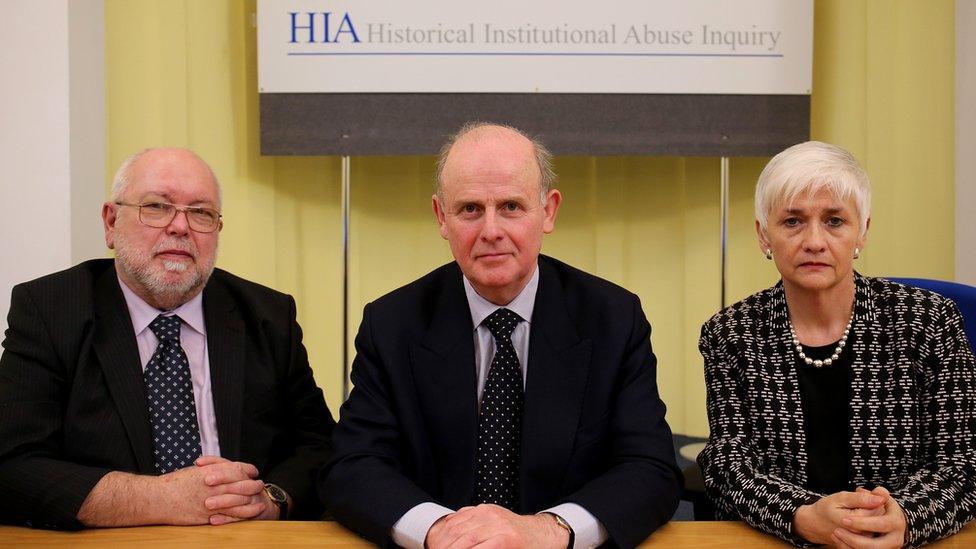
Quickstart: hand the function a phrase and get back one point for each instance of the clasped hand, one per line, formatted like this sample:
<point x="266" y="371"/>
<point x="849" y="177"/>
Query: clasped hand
<point x="218" y="491"/>
<point x="491" y="526"/>
<point x="853" y="520"/>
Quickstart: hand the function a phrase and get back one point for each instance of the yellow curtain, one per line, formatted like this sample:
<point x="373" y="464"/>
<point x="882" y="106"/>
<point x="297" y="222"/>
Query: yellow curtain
<point x="183" y="72"/>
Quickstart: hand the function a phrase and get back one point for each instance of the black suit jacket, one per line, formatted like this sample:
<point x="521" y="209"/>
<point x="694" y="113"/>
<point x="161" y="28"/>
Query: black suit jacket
<point x="593" y="429"/>
<point x="73" y="404"/>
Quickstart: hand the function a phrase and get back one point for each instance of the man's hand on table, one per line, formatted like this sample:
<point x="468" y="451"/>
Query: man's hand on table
<point x="213" y="491"/>
<point x="494" y="526"/>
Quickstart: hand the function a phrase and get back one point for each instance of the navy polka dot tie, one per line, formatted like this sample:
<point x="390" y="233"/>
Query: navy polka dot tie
<point x="172" y="413"/>
<point x="500" y="422"/>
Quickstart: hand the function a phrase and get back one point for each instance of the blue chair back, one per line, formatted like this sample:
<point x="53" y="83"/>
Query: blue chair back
<point x="962" y="294"/>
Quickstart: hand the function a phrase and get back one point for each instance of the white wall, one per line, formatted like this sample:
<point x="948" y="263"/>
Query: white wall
<point x="52" y="138"/>
<point x="86" y="43"/>
<point x="966" y="141"/>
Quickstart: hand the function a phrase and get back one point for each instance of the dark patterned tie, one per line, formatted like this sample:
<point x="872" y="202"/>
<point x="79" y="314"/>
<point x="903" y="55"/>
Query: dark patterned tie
<point x="172" y="413"/>
<point x="500" y="421"/>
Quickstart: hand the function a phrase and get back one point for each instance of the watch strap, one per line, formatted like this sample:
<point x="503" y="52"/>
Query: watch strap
<point x="561" y="522"/>
<point x="279" y="497"/>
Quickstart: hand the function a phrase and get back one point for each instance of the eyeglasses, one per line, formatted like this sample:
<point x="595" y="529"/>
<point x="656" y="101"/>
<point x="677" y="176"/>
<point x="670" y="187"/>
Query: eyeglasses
<point x="161" y="214"/>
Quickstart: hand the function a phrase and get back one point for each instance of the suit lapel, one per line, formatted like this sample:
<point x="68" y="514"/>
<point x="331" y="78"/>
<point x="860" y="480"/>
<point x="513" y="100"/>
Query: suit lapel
<point x="869" y="325"/>
<point x="444" y="373"/>
<point x="559" y="362"/>
<point x="225" y="349"/>
<point x="777" y="381"/>
<point x="114" y="342"/>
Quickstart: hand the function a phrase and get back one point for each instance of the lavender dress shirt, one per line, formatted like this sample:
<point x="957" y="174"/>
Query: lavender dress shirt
<point x="193" y="338"/>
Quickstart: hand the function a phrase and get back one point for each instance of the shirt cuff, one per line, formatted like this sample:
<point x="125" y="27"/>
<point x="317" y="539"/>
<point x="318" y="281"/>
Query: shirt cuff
<point x="411" y="530"/>
<point x="589" y="532"/>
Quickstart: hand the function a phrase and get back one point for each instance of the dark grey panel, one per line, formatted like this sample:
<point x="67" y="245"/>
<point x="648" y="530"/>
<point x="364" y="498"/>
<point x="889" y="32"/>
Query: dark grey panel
<point x="366" y="124"/>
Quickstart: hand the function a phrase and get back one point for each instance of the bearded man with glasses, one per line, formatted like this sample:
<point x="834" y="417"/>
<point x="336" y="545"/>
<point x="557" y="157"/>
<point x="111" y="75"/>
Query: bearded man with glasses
<point x="153" y="388"/>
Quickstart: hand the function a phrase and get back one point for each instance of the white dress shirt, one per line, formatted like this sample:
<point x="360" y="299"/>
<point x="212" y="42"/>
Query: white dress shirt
<point x="411" y="530"/>
<point x="193" y="339"/>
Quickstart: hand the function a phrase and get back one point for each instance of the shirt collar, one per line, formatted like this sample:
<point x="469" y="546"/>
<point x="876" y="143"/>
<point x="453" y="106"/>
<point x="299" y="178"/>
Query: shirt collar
<point x="142" y="313"/>
<point x="522" y="305"/>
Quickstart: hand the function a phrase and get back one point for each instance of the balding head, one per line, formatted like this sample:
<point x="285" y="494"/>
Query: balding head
<point x="491" y="209"/>
<point x="479" y="130"/>
<point x="124" y="175"/>
<point x="163" y="222"/>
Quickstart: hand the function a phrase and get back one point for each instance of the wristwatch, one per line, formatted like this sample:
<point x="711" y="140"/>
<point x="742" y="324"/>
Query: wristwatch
<point x="561" y="522"/>
<point x="279" y="497"/>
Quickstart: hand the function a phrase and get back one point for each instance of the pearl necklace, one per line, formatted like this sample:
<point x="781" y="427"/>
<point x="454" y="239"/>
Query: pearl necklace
<point x="837" y="350"/>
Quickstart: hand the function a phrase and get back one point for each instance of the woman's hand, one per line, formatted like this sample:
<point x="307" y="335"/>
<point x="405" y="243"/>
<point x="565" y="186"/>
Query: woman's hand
<point x="819" y="521"/>
<point x="877" y="531"/>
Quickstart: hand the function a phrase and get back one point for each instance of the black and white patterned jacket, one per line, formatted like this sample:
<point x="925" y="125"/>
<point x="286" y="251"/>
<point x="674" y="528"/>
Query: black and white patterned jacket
<point x="913" y="410"/>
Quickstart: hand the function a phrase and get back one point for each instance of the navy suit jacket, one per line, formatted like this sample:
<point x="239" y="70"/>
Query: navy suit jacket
<point x="593" y="430"/>
<point x="73" y="402"/>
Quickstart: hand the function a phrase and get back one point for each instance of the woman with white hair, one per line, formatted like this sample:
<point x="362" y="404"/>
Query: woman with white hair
<point x="841" y="407"/>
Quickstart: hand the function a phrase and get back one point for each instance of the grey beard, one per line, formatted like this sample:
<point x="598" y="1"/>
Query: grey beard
<point x="168" y="295"/>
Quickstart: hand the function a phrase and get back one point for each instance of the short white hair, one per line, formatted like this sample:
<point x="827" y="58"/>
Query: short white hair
<point x="123" y="176"/>
<point x="808" y="168"/>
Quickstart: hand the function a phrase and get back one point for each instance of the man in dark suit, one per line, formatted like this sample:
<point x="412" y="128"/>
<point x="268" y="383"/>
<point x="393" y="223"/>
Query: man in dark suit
<point x="506" y="397"/>
<point x="153" y="389"/>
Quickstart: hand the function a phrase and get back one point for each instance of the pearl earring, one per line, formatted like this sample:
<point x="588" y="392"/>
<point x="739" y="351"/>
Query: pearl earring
<point x="857" y="253"/>
<point x="769" y="254"/>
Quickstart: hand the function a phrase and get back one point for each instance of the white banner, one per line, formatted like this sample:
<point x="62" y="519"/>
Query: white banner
<point x="546" y="46"/>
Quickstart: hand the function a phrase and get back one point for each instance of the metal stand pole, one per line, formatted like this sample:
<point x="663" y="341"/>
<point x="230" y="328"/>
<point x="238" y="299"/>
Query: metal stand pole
<point x="725" y="222"/>
<point x="345" y="276"/>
